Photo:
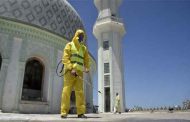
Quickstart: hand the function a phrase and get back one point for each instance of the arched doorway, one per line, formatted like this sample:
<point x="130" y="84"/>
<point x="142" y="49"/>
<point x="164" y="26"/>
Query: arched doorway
<point x="33" y="80"/>
<point x="0" y="61"/>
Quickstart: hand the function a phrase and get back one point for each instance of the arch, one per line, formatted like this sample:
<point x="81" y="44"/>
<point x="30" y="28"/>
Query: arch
<point x="33" y="80"/>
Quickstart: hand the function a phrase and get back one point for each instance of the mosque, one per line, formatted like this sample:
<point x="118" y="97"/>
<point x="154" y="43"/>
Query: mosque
<point x="33" y="34"/>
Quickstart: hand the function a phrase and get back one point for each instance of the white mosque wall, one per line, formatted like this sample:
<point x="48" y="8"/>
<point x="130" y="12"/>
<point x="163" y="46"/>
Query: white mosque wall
<point x="44" y="53"/>
<point x="100" y="76"/>
<point x="57" y="86"/>
<point x="117" y="70"/>
<point x="11" y="83"/>
<point x="5" y="61"/>
<point x="15" y="50"/>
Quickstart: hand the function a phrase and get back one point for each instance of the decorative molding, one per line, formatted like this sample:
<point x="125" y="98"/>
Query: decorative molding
<point x="31" y="33"/>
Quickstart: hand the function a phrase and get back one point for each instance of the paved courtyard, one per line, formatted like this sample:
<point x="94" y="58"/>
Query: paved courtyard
<point x="104" y="117"/>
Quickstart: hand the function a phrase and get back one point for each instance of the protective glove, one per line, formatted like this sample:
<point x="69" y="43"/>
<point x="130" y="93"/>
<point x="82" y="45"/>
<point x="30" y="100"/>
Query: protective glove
<point x="73" y="72"/>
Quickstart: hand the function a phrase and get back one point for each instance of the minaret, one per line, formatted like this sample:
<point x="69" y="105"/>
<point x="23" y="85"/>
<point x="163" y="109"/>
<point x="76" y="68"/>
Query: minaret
<point x="109" y="30"/>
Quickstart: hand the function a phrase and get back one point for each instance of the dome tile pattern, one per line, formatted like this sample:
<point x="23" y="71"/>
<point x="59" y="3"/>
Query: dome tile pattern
<point x="56" y="16"/>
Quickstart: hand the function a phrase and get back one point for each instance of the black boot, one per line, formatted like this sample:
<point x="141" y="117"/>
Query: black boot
<point x="82" y="116"/>
<point x="64" y="116"/>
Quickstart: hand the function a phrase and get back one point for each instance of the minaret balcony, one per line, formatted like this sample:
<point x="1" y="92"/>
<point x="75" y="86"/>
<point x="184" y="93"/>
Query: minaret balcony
<point x="107" y="23"/>
<point x="109" y="18"/>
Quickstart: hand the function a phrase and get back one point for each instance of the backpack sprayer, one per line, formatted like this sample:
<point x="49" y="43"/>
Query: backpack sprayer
<point x="60" y="74"/>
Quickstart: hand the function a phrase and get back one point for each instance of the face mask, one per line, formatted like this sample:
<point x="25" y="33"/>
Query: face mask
<point x="81" y="37"/>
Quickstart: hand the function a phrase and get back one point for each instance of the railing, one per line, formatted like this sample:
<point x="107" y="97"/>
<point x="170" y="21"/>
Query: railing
<point x="112" y="18"/>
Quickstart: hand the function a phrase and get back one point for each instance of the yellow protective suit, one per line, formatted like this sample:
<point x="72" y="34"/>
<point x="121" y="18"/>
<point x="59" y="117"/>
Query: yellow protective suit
<point x="70" y="81"/>
<point x="117" y="104"/>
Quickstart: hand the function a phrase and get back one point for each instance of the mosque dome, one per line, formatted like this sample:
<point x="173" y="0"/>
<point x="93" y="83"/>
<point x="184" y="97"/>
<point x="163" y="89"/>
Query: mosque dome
<point x="55" y="16"/>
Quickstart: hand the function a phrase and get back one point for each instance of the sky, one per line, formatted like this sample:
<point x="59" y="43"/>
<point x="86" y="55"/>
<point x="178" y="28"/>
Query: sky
<point x="156" y="50"/>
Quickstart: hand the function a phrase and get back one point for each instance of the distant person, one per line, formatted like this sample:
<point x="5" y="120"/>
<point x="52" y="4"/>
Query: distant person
<point x="117" y="107"/>
<point x="170" y="109"/>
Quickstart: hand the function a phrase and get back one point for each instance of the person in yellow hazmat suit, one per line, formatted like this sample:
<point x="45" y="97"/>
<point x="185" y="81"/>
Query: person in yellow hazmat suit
<point x="76" y="61"/>
<point x="117" y="107"/>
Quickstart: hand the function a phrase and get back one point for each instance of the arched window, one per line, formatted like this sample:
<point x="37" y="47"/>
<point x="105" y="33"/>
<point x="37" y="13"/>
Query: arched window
<point x="0" y="61"/>
<point x="33" y="79"/>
